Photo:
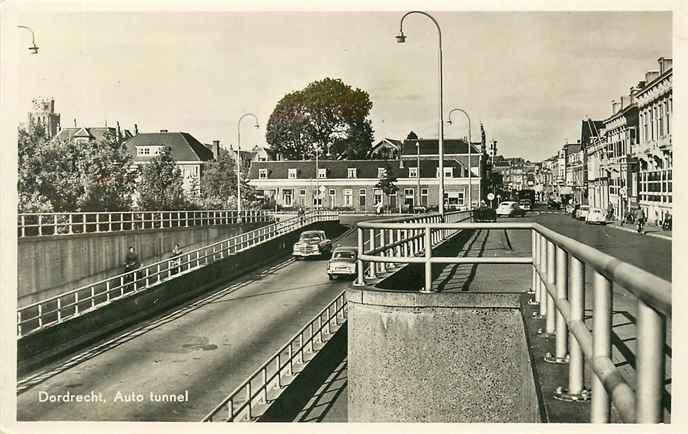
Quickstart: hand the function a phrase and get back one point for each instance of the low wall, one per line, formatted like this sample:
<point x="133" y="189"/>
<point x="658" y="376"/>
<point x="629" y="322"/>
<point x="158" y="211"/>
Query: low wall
<point x="38" y="348"/>
<point x="51" y="265"/>
<point x="454" y="357"/>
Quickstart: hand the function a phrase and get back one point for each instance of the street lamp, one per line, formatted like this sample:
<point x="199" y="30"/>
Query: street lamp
<point x="401" y="38"/>
<point x="33" y="48"/>
<point x="238" y="156"/>
<point x="470" y="182"/>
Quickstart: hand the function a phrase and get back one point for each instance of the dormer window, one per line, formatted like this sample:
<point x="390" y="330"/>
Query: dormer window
<point x="262" y="173"/>
<point x="322" y="173"/>
<point x="413" y="172"/>
<point x="381" y="172"/>
<point x="291" y="174"/>
<point x="351" y="172"/>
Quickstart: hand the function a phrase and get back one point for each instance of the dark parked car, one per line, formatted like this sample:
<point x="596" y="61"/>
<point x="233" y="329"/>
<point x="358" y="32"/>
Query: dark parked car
<point x="484" y="214"/>
<point x="553" y="204"/>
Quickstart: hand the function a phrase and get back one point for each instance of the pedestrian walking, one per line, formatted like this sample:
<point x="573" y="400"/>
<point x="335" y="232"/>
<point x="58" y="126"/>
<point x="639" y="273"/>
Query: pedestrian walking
<point x="131" y="263"/>
<point x="175" y="259"/>
<point x="640" y="220"/>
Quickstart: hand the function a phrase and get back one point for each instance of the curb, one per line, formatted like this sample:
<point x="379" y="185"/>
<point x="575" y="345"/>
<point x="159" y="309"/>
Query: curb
<point x="649" y="234"/>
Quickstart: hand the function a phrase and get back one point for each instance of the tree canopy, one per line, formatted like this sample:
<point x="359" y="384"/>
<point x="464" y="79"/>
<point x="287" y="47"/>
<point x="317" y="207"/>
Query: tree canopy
<point x="328" y="115"/>
<point x="65" y="176"/>
<point x="219" y="184"/>
<point x="160" y="184"/>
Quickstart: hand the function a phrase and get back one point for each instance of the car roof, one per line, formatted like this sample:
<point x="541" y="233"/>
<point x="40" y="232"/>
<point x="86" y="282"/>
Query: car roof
<point x="312" y="232"/>
<point x="507" y="202"/>
<point x="585" y="206"/>
<point x="346" y="249"/>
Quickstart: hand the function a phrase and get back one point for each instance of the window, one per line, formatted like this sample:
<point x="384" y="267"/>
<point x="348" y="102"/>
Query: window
<point x="143" y="150"/>
<point x="448" y="172"/>
<point x="262" y="173"/>
<point x="351" y="172"/>
<point x="287" y="197"/>
<point x="348" y="197"/>
<point x="333" y="196"/>
<point x="322" y="173"/>
<point x="423" y="197"/>
<point x="409" y="196"/>
<point x="377" y="196"/>
<point x="381" y="172"/>
<point x="291" y="174"/>
<point x="362" y="197"/>
<point x="195" y="171"/>
<point x="317" y="199"/>
<point x="413" y="172"/>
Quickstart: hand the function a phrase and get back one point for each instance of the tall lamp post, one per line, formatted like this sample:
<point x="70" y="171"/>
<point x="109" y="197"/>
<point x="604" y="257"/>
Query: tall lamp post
<point x="33" y="48"/>
<point x="470" y="182"/>
<point x="401" y="38"/>
<point x="238" y="156"/>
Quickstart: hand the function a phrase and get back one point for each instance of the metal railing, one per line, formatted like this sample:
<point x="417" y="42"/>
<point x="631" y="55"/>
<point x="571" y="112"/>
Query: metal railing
<point x="392" y="239"/>
<point x="253" y="396"/>
<point x="58" y="309"/>
<point x="42" y="224"/>
<point x="558" y="279"/>
<point x="289" y="214"/>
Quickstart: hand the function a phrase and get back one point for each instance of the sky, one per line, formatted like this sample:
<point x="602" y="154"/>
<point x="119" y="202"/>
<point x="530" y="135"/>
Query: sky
<point x="529" y="77"/>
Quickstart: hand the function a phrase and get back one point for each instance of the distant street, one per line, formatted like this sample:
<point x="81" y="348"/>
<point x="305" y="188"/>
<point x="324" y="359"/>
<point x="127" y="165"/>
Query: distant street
<point x="649" y="253"/>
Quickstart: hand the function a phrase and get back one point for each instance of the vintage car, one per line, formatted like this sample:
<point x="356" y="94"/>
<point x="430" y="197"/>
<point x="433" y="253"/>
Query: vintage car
<point x="342" y="262"/>
<point x="596" y="216"/>
<point x="582" y="212"/>
<point x="484" y="214"/>
<point x="525" y="204"/>
<point x="510" y="209"/>
<point x="312" y="243"/>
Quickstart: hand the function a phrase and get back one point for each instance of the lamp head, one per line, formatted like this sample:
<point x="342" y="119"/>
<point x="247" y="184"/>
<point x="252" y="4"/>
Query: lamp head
<point x="34" y="49"/>
<point x="449" y="122"/>
<point x="401" y="38"/>
<point x="257" y="126"/>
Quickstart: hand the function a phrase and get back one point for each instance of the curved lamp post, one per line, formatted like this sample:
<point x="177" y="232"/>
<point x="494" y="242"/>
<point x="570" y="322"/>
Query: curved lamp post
<point x="238" y="156"/>
<point x="33" y="48"/>
<point x="470" y="182"/>
<point x="401" y="38"/>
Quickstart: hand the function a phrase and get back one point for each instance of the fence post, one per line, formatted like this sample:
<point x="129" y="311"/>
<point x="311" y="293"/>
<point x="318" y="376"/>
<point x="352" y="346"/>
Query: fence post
<point x="575" y="391"/>
<point x="550" y="323"/>
<point x="543" y="267"/>
<point x="651" y="324"/>
<point x="560" y="354"/>
<point x="371" y="267"/>
<point x="535" y="290"/>
<point x="428" y="264"/>
<point x="601" y="344"/>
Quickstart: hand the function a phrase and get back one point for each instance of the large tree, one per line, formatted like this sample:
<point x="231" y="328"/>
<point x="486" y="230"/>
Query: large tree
<point x="62" y="175"/>
<point x="160" y="184"/>
<point x="108" y="177"/>
<point x="328" y="115"/>
<point x="219" y="184"/>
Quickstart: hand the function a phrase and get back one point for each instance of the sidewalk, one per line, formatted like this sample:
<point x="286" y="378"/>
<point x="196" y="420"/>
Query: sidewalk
<point x="650" y="231"/>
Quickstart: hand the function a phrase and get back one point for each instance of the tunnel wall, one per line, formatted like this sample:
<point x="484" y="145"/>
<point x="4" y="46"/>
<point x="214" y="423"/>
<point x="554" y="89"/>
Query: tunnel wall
<point x="447" y="357"/>
<point x="50" y="265"/>
<point x="38" y="348"/>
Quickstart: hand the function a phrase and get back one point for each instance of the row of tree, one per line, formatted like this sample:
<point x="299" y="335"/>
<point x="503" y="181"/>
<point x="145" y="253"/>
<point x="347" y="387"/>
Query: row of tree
<point x="65" y="176"/>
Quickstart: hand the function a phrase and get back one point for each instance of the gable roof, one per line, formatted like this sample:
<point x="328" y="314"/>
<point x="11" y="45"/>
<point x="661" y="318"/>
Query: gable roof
<point x="431" y="147"/>
<point x="590" y="129"/>
<point x="183" y="146"/>
<point x="91" y="133"/>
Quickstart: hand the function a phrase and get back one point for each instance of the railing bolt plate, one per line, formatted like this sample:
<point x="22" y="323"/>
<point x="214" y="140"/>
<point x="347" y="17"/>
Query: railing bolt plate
<point x="543" y="334"/>
<point x="562" y="394"/>
<point x="536" y="315"/>
<point x="551" y="358"/>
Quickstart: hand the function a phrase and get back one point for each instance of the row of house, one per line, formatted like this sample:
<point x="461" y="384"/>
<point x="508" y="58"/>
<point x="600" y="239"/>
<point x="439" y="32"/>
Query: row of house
<point x="354" y="184"/>
<point x="624" y="161"/>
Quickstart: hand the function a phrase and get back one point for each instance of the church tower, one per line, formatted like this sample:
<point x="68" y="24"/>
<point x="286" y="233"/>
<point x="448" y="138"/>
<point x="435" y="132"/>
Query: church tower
<point x="43" y="113"/>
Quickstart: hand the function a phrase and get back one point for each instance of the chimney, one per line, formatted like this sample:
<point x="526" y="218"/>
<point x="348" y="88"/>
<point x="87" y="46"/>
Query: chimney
<point x="665" y="64"/>
<point x="216" y="149"/>
<point x="119" y="132"/>
<point x="74" y="122"/>
<point x="615" y="106"/>
<point x="163" y="131"/>
<point x="631" y="94"/>
<point x="651" y="75"/>
<point x="623" y="102"/>
<point x="136" y="129"/>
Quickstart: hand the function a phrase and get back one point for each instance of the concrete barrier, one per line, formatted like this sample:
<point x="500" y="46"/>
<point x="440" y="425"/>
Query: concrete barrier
<point x="454" y="357"/>
<point x="51" y="265"/>
<point x="38" y="348"/>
